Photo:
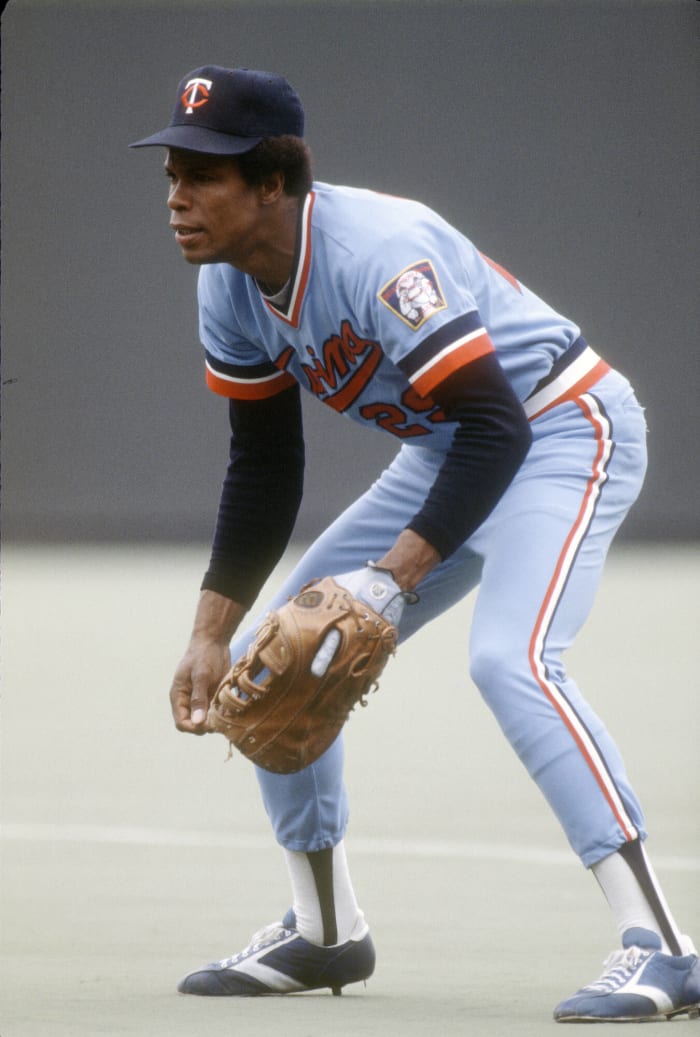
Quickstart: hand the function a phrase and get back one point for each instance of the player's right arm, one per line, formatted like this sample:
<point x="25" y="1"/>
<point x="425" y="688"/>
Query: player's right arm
<point x="205" y="661"/>
<point x="259" y="502"/>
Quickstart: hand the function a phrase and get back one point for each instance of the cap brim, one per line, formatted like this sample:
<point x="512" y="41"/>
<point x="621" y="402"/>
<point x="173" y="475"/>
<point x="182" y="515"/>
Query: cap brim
<point x="198" y="138"/>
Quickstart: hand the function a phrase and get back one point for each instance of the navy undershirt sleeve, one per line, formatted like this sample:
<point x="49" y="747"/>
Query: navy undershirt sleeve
<point x="260" y="496"/>
<point x="263" y="487"/>
<point x="491" y="442"/>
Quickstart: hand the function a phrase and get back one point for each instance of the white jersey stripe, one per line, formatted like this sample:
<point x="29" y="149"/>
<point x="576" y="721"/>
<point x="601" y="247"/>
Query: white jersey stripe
<point x="446" y="352"/>
<point x="290" y="313"/>
<point x="243" y="381"/>
<point x="572" y="374"/>
<point x="589" y="405"/>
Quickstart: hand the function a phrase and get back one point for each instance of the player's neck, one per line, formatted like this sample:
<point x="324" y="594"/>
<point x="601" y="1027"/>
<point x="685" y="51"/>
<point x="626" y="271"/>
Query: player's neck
<point x="272" y="263"/>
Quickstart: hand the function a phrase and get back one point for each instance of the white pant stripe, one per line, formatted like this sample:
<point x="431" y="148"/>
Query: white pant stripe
<point x="596" y="415"/>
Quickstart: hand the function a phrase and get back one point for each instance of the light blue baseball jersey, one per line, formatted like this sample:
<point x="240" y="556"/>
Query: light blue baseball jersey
<point x="386" y="301"/>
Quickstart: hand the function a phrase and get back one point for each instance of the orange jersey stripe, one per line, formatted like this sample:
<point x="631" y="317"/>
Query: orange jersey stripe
<point x="502" y="271"/>
<point x="291" y="316"/>
<point x="580" y="387"/>
<point x="242" y="389"/>
<point x="458" y="354"/>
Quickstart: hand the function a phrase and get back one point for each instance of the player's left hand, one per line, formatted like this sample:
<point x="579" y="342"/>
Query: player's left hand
<point x="378" y="589"/>
<point x="375" y="587"/>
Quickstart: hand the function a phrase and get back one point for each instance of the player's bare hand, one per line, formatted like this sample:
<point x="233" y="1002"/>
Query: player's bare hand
<point x="196" y="679"/>
<point x="206" y="661"/>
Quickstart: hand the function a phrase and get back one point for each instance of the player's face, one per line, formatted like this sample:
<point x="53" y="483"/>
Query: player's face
<point x="216" y="216"/>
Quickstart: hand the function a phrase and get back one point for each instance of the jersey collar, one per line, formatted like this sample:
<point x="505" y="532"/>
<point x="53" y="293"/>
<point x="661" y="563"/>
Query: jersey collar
<point x="290" y="310"/>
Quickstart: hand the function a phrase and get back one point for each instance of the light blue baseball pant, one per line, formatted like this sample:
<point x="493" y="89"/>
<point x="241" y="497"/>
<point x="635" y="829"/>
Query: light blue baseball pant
<point x="537" y="561"/>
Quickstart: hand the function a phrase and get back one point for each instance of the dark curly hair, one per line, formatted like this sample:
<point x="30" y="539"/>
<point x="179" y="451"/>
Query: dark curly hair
<point x="286" y="154"/>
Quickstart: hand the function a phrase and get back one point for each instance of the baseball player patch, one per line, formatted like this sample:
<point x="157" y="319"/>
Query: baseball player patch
<point x="415" y="294"/>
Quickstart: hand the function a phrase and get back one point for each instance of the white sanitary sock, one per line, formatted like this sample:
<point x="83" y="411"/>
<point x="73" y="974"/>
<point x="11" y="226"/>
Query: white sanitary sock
<point x="323" y="897"/>
<point x="632" y="905"/>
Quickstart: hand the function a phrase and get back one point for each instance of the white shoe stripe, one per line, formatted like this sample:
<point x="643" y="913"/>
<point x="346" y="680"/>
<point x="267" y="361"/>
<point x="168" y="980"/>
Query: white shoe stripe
<point x="270" y="977"/>
<point x="660" y="998"/>
<point x="251" y="965"/>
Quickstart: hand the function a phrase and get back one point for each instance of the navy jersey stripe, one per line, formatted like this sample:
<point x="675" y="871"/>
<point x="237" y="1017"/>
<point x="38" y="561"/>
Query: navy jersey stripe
<point x="242" y="372"/>
<point x="435" y="343"/>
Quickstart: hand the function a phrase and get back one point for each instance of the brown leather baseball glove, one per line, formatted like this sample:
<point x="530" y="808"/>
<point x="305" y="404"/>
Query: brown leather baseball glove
<point x="285" y="701"/>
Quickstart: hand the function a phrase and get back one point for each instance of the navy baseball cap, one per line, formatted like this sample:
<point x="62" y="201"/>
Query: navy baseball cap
<point x="227" y="111"/>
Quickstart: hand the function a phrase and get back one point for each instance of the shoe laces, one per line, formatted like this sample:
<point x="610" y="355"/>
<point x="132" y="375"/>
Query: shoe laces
<point x="262" y="938"/>
<point x="618" y="967"/>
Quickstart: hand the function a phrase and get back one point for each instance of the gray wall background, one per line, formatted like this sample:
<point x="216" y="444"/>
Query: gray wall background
<point x="560" y="136"/>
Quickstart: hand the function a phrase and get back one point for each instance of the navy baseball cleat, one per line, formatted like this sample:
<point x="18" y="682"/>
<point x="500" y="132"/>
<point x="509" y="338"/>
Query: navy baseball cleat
<point x="639" y="984"/>
<point x="278" y="960"/>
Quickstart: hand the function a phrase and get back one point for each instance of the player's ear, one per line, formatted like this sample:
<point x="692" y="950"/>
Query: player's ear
<point x="271" y="188"/>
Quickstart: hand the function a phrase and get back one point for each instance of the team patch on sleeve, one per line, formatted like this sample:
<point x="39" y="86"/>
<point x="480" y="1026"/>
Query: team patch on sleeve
<point x="241" y="382"/>
<point x="415" y="294"/>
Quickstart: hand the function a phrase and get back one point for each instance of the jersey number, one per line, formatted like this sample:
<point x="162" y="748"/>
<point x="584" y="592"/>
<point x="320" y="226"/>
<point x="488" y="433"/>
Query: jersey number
<point x="396" y="420"/>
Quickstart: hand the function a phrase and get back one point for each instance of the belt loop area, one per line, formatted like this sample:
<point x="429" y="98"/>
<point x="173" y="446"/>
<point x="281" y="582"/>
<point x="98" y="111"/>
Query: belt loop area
<point x="571" y="374"/>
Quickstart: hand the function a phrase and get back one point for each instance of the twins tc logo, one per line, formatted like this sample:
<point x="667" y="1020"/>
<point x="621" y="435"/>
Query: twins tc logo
<point x="196" y="94"/>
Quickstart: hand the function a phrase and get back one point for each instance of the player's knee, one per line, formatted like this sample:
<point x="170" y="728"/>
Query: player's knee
<point x="498" y="671"/>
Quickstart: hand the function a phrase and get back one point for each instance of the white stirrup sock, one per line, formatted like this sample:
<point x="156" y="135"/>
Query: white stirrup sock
<point x="634" y="895"/>
<point x="324" y="901"/>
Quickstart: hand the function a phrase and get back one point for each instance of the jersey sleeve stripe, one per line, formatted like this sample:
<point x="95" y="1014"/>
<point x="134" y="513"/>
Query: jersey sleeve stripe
<point x="444" y="336"/>
<point x="257" y="382"/>
<point x="450" y="359"/>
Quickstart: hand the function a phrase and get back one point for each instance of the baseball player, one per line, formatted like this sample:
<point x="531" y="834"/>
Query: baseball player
<point x="519" y="452"/>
